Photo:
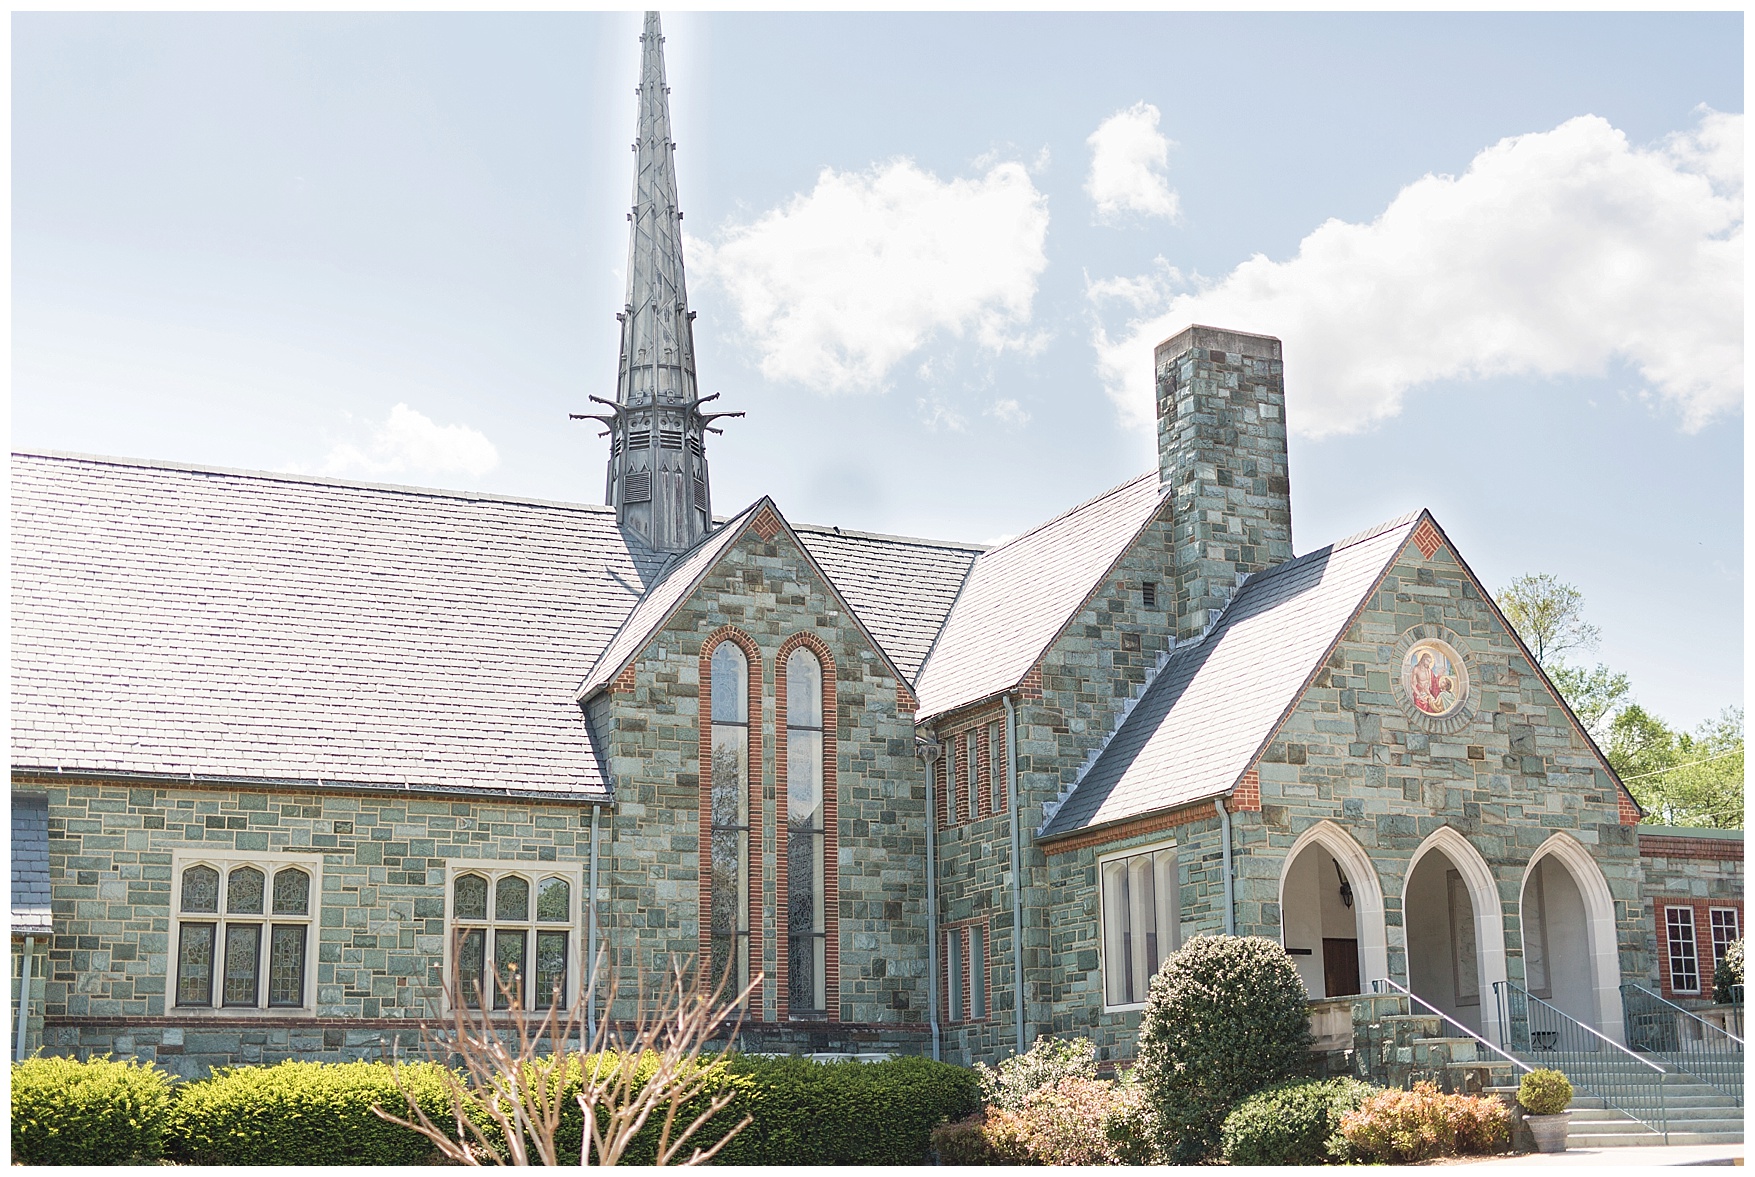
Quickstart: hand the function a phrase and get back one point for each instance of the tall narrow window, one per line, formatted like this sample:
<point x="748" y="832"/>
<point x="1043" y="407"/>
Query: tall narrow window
<point x="951" y="808"/>
<point x="1726" y="928"/>
<point x="1140" y="922"/>
<point x="806" y="929"/>
<point x="1684" y="953"/>
<point x="996" y="764"/>
<point x="242" y="930"/>
<point x="954" y="1008"/>
<point x="730" y="805"/>
<point x="978" y="972"/>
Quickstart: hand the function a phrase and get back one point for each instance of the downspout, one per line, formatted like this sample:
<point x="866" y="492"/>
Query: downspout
<point x="30" y="944"/>
<point x="929" y="754"/>
<point x="1225" y="848"/>
<point x="1011" y="781"/>
<point x="591" y="934"/>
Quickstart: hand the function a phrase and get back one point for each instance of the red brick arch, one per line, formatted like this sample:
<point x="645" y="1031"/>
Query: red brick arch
<point x="831" y="829"/>
<point x="704" y="768"/>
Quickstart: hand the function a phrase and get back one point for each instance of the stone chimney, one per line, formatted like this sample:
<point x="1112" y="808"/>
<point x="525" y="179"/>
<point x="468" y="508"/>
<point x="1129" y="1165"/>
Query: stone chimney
<point x="1222" y="445"/>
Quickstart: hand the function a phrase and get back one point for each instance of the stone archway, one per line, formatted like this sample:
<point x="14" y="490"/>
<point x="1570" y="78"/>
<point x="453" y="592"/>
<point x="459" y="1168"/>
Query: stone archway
<point x="1314" y="915"/>
<point x="1455" y="930"/>
<point x="1572" y="953"/>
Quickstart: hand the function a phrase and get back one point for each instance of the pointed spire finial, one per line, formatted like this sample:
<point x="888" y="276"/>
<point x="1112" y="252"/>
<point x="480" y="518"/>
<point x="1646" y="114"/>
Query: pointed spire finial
<point x="657" y="462"/>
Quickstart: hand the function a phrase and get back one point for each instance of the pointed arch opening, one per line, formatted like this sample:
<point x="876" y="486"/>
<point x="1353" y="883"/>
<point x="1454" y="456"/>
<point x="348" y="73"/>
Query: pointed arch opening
<point x="1455" y="927"/>
<point x="1571" y="951"/>
<point x="731" y="807"/>
<point x="806" y="866"/>
<point x="1331" y="912"/>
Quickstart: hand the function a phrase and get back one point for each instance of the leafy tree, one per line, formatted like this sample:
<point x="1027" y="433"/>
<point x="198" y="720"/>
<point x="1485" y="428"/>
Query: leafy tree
<point x="1549" y="615"/>
<point x="1681" y="778"/>
<point x="1596" y="696"/>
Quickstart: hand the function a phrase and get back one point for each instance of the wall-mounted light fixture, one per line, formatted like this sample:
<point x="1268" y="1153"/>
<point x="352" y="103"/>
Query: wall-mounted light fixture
<point x="1346" y="887"/>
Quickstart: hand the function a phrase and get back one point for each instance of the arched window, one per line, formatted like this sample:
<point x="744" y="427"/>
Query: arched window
<point x="806" y="928"/>
<point x="232" y="938"/>
<point x="728" y="803"/>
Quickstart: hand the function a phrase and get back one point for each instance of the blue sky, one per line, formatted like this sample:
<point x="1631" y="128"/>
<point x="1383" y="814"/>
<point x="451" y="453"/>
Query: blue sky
<point x="930" y="255"/>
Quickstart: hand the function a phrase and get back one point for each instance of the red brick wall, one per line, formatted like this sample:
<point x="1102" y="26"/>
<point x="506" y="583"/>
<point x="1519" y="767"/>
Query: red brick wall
<point x="1702" y="939"/>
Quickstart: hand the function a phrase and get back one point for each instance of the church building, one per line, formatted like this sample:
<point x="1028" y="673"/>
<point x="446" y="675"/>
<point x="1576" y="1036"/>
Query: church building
<point x="305" y="758"/>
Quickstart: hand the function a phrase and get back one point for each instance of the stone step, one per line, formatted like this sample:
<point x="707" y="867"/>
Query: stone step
<point x="1647" y="1139"/>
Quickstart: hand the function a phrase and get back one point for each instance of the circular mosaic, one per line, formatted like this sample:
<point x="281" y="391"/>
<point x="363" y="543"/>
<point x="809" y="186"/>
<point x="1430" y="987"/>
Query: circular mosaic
<point x="1434" y="678"/>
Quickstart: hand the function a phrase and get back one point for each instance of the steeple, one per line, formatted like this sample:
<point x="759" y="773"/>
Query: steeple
<point x="657" y="459"/>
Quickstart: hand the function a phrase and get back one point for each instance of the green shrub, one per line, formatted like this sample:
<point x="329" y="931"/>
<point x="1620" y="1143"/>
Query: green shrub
<point x="1405" y="1127"/>
<point x="1046" y="1063"/>
<point x="1293" y="1124"/>
<point x="1075" y="1121"/>
<point x="1226" y="1017"/>
<point x="101" y="1112"/>
<point x="305" y="1113"/>
<point x="1728" y="972"/>
<point x="847" y="1113"/>
<point x="1544" y="1092"/>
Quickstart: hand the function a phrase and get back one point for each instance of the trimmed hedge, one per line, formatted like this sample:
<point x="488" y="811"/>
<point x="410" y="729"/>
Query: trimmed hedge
<point x="1293" y="1124"/>
<point x="304" y="1113"/>
<point x="67" y="1112"/>
<point x="847" y="1113"/>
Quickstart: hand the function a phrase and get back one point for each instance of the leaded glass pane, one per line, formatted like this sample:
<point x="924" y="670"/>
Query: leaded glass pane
<point x="243" y="955"/>
<point x="243" y="892"/>
<point x="195" y="960"/>
<point x="470" y="898"/>
<point x="801" y="976"/>
<point x="731" y="684"/>
<point x="471" y="960"/>
<point x="553" y="899"/>
<point x="292" y="892"/>
<point x="512" y="899"/>
<point x="286" y="964"/>
<point x="804" y="690"/>
<point x="509" y="964"/>
<point x="201" y="889"/>
<point x="551" y="969"/>
<point x="730" y="767"/>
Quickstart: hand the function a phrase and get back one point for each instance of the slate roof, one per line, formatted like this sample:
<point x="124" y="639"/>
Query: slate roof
<point x="901" y="588"/>
<point x="1019" y="596"/>
<point x="177" y="620"/>
<point x="1205" y="717"/>
<point x="30" y="863"/>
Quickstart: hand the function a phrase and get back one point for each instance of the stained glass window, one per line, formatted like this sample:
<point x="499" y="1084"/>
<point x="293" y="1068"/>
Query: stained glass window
<point x="243" y="953"/>
<point x="243" y="893"/>
<point x="508" y="964"/>
<point x="286" y="965"/>
<point x="806" y="971"/>
<point x="471" y="965"/>
<point x="512" y="899"/>
<point x="201" y="889"/>
<point x="551" y="969"/>
<point x="470" y="902"/>
<point x="195" y="963"/>
<point x="505" y="945"/>
<point x="553" y="901"/>
<point x="292" y="892"/>
<point x="729" y="830"/>
<point x="234" y="954"/>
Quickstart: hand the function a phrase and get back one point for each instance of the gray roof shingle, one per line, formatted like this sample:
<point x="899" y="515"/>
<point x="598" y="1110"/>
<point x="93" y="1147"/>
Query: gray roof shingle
<point x="1019" y="595"/>
<point x="179" y="620"/>
<point x="1203" y="719"/>
<point x="30" y="863"/>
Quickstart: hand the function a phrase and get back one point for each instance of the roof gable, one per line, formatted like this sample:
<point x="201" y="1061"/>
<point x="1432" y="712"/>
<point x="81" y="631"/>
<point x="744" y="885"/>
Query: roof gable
<point x="1213" y="705"/>
<point x="1019" y="596"/>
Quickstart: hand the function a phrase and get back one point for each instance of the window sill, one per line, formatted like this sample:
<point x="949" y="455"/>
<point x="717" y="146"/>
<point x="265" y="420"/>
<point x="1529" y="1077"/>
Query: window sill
<point x="242" y="1013"/>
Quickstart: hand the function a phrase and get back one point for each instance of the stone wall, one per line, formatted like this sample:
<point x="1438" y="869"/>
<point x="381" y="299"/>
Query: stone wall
<point x="764" y="587"/>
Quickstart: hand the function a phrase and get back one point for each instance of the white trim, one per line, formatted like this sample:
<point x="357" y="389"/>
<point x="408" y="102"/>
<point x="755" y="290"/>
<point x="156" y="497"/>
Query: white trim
<point x="1477" y="876"/>
<point x="1102" y="931"/>
<point x="494" y="869"/>
<point x="268" y="861"/>
<point x="1367" y="894"/>
<point x="1600" y="929"/>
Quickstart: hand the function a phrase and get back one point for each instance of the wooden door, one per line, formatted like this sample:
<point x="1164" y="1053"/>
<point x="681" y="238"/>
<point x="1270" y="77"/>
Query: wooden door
<point x="1340" y="967"/>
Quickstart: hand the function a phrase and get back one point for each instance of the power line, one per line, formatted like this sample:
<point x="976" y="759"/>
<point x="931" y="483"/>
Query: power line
<point x="1690" y="764"/>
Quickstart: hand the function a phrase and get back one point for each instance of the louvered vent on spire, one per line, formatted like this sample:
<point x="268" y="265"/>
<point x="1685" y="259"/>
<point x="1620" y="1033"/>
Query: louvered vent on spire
<point x="658" y="460"/>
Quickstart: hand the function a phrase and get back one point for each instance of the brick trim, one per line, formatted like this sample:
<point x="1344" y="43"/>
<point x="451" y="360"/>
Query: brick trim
<point x="1246" y="795"/>
<point x="1625" y="809"/>
<point x="1426" y="538"/>
<point x="1152" y="824"/>
<point x="905" y="700"/>
<point x="766" y="524"/>
<point x="831" y="898"/>
<point x="623" y="683"/>
<point x="960" y="929"/>
<point x="1724" y="849"/>
<point x="704" y="767"/>
<point x="1702" y="940"/>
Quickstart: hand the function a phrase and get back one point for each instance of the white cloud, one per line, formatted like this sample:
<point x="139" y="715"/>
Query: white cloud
<point x="407" y="442"/>
<point x="936" y="415"/>
<point x="1008" y="411"/>
<point x="1555" y="254"/>
<point x="846" y="281"/>
<point x="1129" y="158"/>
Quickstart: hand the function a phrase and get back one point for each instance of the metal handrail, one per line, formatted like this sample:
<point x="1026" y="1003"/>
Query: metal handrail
<point x="1586" y="1073"/>
<point x="1716" y="1043"/>
<point x="1412" y="996"/>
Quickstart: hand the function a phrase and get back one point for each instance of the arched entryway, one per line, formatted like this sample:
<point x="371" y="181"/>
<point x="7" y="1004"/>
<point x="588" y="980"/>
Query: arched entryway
<point x="1455" y="930"/>
<point x="1570" y="951"/>
<point x="1331" y="913"/>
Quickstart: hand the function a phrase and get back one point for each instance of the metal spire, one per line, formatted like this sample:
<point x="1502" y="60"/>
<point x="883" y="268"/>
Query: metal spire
<point x="658" y="463"/>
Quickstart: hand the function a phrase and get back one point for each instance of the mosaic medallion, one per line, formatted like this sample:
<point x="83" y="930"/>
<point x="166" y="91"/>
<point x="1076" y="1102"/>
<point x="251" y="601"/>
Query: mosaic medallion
<point x="1432" y="681"/>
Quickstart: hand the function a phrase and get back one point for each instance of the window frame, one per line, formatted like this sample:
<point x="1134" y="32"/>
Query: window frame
<point x="493" y="870"/>
<point x="753" y="909"/>
<point x="1671" y="943"/>
<point x="1175" y="909"/>
<point x="966" y="971"/>
<point x="1713" y="925"/>
<point x="225" y="861"/>
<point x="829" y="725"/>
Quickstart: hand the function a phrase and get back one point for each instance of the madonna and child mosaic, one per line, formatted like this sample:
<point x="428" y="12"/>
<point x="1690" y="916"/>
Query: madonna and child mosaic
<point x="1434" y="678"/>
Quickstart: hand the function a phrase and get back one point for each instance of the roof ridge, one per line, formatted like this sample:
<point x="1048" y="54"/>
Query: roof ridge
<point x="1070" y="511"/>
<point x="849" y="533"/>
<point x="309" y="479"/>
<point x="1357" y="538"/>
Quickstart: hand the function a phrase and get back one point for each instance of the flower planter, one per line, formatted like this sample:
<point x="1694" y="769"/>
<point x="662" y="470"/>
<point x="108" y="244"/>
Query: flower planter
<point x="1549" y="1131"/>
